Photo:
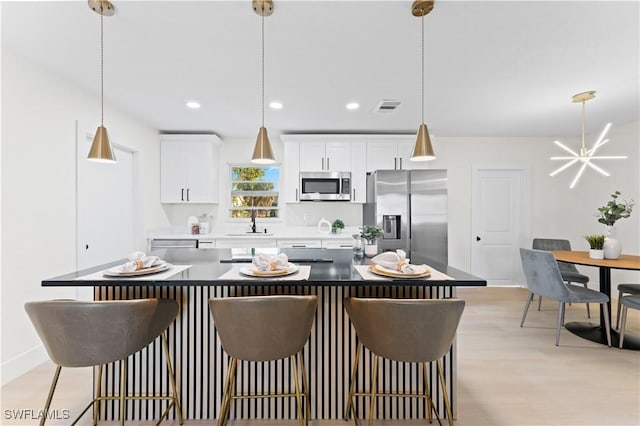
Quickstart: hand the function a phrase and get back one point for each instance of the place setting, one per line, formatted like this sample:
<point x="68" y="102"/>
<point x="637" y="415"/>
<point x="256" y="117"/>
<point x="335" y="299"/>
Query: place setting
<point x="391" y="265"/>
<point x="140" y="265"/>
<point x="275" y="267"/>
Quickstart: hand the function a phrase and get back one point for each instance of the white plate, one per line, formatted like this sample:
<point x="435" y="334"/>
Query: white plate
<point x="421" y="272"/>
<point x="118" y="272"/>
<point x="250" y="272"/>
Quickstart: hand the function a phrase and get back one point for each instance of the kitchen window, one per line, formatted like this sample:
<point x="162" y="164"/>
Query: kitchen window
<point x="254" y="190"/>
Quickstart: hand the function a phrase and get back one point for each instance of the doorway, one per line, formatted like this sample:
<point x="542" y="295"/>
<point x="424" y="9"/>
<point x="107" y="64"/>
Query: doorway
<point x="499" y="223"/>
<point x="105" y="204"/>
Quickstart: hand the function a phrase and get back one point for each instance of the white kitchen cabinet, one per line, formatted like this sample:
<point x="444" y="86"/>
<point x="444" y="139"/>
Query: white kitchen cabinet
<point x="325" y="156"/>
<point x="358" y="172"/>
<point x="392" y="154"/>
<point x="290" y="189"/>
<point x="299" y="243"/>
<point x="342" y="243"/>
<point x="189" y="168"/>
<point x="246" y="242"/>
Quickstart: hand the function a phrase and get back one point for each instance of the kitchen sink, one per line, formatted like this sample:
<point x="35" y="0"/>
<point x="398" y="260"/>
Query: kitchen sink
<point x="250" y="234"/>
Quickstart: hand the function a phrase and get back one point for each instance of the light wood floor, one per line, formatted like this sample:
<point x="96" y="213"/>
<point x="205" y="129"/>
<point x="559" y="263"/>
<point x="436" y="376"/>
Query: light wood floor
<point x="507" y="375"/>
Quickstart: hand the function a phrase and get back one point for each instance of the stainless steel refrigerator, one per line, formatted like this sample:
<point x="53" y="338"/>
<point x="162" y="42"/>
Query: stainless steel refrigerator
<point x="411" y="208"/>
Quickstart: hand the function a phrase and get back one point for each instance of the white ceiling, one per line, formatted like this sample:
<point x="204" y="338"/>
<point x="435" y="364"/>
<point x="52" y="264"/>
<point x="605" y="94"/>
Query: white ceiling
<point x="492" y="68"/>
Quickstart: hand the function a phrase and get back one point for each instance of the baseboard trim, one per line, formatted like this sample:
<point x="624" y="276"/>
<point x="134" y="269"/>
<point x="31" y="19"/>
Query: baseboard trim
<point x="19" y="365"/>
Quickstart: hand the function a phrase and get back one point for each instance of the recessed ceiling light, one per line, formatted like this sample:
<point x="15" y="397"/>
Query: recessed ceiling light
<point x="193" y="105"/>
<point x="353" y="105"/>
<point x="275" y="105"/>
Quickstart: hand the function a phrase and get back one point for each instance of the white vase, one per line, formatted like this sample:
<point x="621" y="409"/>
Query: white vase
<point x="596" y="254"/>
<point x="370" y="250"/>
<point x="612" y="247"/>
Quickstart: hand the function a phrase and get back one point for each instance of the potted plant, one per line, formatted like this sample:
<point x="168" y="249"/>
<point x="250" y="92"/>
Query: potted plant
<point x="596" y="242"/>
<point x="371" y="233"/>
<point x="337" y="226"/>
<point x="609" y="214"/>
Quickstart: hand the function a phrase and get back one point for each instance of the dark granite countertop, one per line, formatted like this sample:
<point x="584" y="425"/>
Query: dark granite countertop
<point x="329" y="267"/>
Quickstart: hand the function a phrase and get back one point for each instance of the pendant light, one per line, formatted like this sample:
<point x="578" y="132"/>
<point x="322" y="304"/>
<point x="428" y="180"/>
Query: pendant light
<point x="422" y="150"/>
<point x="101" y="148"/>
<point x="262" y="152"/>
<point x="585" y="156"/>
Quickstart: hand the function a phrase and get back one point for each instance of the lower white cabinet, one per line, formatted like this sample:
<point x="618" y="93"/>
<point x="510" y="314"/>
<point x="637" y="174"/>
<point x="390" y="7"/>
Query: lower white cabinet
<point x="299" y="243"/>
<point x="346" y="243"/>
<point x="259" y="242"/>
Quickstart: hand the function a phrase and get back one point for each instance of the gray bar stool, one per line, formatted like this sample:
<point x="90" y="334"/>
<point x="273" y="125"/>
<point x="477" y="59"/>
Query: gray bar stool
<point x="260" y="329"/>
<point x="623" y="289"/>
<point x="627" y="302"/>
<point x="406" y="330"/>
<point x="89" y="334"/>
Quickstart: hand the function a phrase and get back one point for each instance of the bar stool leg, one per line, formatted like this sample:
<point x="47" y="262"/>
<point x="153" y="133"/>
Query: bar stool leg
<point x="294" y="367"/>
<point x="172" y="378"/>
<point x="374" y="382"/>
<point x="526" y="308"/>
<point x="445" y="395"/>
<point x="350" y="408"/>
<point x="305" y="389"/>
<point x="96" y="406"/>
<point x="123" y="387"/>
<point x="225" y="414"/>
<point x="52" y="389"/>
<point x="427" y="393"/>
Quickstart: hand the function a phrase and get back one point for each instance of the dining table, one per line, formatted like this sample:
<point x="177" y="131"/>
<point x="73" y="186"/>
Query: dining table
<point x="597" y="332"/>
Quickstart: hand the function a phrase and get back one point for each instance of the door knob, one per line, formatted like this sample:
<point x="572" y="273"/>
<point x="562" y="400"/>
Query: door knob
<point x="477" y="238"/>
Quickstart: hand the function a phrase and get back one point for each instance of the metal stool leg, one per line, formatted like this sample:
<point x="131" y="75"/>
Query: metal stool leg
<point x="619" y="306"/>
<point x="374" y="382"/>
<point x="305" y="389"/>
<point x="445" y="395"/>
<point x="350" y="408"/>
<point x="52" y="389"/>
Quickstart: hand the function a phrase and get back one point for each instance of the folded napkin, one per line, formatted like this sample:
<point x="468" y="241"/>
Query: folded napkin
<point x="138" y="260"/>
<point x="395" y="261"/>
<point x="264" y="262"/>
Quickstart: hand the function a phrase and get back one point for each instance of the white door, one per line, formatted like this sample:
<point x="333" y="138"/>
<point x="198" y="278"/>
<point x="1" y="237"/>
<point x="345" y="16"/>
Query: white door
<point x="382" y="155"/>
<point x="172" y="172"/>
<point x="498" y="225"/>
<point x="104" y="206"/>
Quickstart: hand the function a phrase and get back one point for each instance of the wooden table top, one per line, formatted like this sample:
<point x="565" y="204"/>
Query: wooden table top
<point x="625" y="261"/>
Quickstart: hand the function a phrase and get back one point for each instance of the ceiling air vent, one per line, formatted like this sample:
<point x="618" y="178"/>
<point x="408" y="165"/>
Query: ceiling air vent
<point x="387" y="105"/>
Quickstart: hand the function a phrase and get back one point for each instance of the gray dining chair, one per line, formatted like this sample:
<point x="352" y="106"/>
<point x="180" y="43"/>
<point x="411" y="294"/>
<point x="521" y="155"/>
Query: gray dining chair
<point x="633" y="289"/>
<point x="261" y="329"/>
<point x="569" y="272"/>
<point x="543" y="278"/>
<point x="405" y="330"/>
<point x="627" y="302"/>
<point x="90" y="334"/>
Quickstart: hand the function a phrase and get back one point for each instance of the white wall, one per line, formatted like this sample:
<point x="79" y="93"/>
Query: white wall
<point x="39" y="111"/>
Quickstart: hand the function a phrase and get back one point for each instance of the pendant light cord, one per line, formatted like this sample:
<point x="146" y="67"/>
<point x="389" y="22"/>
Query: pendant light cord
<point x="101" y="67"/>
<point x="262" y="63"/>
<point x="583" y="128"/>
<point x="422" y="61"/>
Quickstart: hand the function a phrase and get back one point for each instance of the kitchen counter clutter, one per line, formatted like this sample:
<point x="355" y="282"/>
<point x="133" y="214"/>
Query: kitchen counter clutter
<point x="200" y="362"/>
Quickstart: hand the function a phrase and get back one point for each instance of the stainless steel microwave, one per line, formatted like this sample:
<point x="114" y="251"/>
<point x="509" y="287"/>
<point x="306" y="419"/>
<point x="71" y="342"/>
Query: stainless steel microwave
<point x="325" y="186"/>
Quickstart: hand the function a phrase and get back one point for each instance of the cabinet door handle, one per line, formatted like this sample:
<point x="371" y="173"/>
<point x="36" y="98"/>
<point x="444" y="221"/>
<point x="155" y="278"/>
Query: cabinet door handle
<point x="181" y="194"/>
<point x="296" y="194"/>
<point x="328" y="163"/>
<point x="400" y="163"/>
<point x="395" y="163"/>
<point x="354" y="194"/>
<point x="188" y="194"/>
<point x="322" y="163"/>
<point x="298" y="246"/>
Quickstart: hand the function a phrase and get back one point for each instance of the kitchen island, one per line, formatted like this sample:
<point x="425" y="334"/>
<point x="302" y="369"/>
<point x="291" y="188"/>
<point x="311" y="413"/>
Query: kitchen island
<point x="200" y="362"/>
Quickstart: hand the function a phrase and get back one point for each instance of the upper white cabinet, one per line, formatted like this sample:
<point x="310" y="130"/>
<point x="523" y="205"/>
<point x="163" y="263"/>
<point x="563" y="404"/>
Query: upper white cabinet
<point x="290" y="190"/>
<point x="358" y="172"/>
<point x="189" y="168"/>
<point x="325" y="156"/>
<point x="392" y="154"/>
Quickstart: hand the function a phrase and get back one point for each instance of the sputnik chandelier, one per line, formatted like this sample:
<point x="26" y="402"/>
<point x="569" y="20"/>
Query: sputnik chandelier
<point x="586" y="156"/>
